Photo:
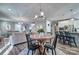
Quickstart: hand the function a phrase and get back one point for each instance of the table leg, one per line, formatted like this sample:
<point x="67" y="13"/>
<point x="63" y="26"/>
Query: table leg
<point x="41" y="49"/>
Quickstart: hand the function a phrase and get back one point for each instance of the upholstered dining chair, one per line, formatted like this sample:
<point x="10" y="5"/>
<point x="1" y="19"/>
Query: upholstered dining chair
<point x="51" y="47"/>
<point x="31" y="46"/>
<point x="62" y="36"/>
<point x="70" y="39"/>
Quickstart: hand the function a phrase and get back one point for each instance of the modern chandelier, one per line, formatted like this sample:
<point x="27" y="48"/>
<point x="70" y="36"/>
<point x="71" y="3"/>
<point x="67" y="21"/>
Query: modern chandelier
<point x="41" y="14"/>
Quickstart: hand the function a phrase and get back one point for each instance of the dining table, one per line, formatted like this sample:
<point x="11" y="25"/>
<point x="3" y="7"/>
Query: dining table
<point x="41" y="39"/>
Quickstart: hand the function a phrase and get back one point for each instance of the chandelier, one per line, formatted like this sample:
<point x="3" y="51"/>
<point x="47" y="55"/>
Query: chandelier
<point x="41" y="14"/>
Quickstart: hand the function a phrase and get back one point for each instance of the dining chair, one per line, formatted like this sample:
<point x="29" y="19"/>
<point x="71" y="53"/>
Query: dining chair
<point x="70" y="39"/>
<point x="31" y="45"/>
<point x="51" y="47"/>
<point x="61" y="36"/>
<point x="49" y="33"/>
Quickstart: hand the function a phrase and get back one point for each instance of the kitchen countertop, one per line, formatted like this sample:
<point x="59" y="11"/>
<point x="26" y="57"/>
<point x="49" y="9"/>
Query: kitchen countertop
<point x="75" y="33"/>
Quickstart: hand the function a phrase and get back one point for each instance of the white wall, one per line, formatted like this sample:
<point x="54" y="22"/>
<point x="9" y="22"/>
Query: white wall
<point x="76" y="25"/>
<point x="48" y="26"/>
<point x="70" y="22"/>
<point x="63" y="23"/>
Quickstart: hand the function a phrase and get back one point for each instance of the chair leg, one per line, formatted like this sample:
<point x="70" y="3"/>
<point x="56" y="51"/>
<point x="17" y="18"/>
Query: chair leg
<point x="52" y="52"/>
<point x="69" y="42"/>
<point x="55" y="51"/>
<point x="32" y="52"/>
<point x="28" y="52"/>
<point x="60" y="39"/>
<point x="74" y="42"/>
<point x="47" y="49"/>
<point x="63" y="41"/>
<point x="50" y="41"/>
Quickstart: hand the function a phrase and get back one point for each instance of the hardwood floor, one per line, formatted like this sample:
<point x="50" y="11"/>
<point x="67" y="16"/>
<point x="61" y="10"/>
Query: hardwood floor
<point x="61" y="50"/>
<point x="68" y="50"/>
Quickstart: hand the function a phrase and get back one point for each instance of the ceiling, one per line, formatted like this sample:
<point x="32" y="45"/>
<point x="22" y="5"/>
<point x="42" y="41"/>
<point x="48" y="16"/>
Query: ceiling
<point x="26" y="11"/>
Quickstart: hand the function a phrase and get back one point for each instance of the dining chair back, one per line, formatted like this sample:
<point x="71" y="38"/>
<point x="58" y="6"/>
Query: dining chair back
<point x="51" y="47"/>
<point x="31" y="46"/>
<point x="70" y="39"/>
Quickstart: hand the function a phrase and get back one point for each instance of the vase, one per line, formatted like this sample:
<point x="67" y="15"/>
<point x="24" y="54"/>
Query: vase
<point x="41" y="34"/>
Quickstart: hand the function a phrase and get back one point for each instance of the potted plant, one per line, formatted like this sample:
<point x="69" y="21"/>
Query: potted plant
<point x="40" y="31"/>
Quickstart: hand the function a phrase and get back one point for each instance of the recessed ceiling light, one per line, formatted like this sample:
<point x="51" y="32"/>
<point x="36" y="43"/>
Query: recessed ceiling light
<point x="9" y="9"/>
<point x="72" y="19"/>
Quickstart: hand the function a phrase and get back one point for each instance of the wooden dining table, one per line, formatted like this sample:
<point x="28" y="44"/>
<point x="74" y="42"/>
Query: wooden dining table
<point x="41" y="39"/>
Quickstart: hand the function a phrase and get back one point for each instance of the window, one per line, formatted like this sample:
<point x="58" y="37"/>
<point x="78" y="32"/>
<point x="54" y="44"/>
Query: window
<point x="4" y="35"/>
